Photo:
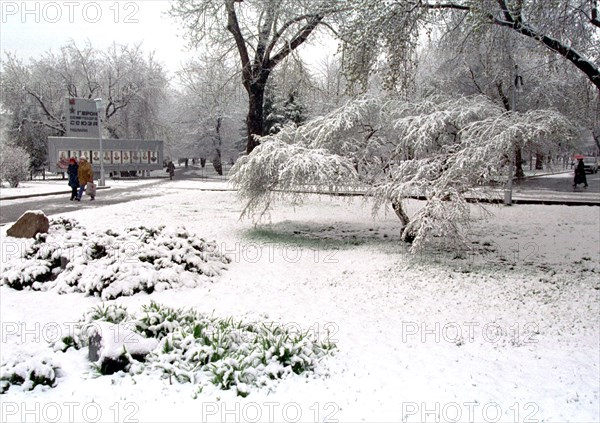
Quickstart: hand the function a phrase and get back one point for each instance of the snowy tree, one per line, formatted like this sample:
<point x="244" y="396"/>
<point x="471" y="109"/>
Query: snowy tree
<point x="443" y="150"/>
<point x="568" y="28"/>
<point x="133" y="85"/>
<point x="14" y="164"/>
<point x="329" y="91"/>
<point x="264" y="33"/>
<point x="487" y="65"/>
<point x="130" y="84"/>
<point x="212" y="109"/>
<point x="272" y="109"/>
<point x="280" y="111"/>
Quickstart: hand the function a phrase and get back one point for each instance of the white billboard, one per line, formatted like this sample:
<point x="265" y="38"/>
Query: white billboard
<point x="82" y="118"/>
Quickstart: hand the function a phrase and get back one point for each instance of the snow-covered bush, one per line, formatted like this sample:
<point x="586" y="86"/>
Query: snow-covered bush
<point x="111" y="264"/>
<point x="28" y="372"/>
<point x="14" y="164"/>
<point x="443" y="150"/>
<point x="193" y="347"/>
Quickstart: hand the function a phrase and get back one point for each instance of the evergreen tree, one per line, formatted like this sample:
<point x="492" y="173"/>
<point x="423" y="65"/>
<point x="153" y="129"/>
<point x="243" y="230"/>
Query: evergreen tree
<point x="273" y="110"/>
<point x="294" y="110"/>
<point x="280" y="111"/>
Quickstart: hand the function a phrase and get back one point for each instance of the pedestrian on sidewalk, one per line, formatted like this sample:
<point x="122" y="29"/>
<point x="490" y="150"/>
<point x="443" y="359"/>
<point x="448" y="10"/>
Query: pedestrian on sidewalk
<point x="73" y="172"/>
<point x="85" y="175"/>
<point x="171" y="169"/>
<point x="580" y="177"/>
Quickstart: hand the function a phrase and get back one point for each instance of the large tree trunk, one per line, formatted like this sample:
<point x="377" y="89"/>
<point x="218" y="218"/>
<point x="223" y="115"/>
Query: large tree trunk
<point x="539" y="161"/>
<point x="519" y="163"/>
<point x="255" y="73"/>
<point x="399" y="210"/>
<point x="217" y="164"/>
<point x="254" y="120"/>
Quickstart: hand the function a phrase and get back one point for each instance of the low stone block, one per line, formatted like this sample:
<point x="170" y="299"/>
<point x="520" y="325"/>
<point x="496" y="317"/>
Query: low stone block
<point x="30" y="224"/>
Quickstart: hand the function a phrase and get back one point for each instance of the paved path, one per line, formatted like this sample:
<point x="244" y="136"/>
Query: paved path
<point x="10" y="210"/>
<point x="51" y="203"/>
<point x="549" y="189"/>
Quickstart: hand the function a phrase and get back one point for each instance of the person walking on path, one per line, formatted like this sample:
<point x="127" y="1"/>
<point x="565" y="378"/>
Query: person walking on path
<point x="580" y="177"/>
<point x="73" y="172"/>
<point x="171" y="169"/>
<point x="85" y="175"/>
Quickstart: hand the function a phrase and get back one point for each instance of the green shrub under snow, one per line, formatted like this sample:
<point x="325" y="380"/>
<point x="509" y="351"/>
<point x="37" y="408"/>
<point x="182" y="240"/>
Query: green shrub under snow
<point x="111" y="264"/>
<point x="206" y="350"/>
<point x="28" y="372"/>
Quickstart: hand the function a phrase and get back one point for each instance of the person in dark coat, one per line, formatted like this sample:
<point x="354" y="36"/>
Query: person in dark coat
<point x="73" y="172"/>
<point x="580" y="177"/>
<point x="171" y="169"/>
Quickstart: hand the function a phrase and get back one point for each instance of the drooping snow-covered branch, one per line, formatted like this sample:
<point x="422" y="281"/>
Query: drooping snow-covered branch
<point x="278" y="169"/>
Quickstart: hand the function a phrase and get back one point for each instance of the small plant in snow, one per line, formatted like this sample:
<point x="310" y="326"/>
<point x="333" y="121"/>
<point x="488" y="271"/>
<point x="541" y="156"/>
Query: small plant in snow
<point x="63" y="224"/>
<point x="111" y="264"/>
<point x="110" y="313"/>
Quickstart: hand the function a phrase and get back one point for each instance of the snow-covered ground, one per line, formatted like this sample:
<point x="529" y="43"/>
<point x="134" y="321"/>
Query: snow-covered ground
<point x="508" y="333"/>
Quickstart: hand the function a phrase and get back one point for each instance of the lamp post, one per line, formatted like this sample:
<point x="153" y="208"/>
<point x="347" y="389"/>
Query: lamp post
<point x="98" y="109"/>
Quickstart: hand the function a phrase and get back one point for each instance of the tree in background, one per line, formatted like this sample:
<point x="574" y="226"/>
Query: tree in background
<point x="208" y="110"/>
<point x="460" y="63"/>
<point x="130" y="84"/>
<point x="263" y="32"/>
<point x="568" y="28"/>
<point x="280" y="110"/>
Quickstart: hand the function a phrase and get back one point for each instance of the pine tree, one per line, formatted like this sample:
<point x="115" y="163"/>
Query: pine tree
<point x="293" y="110"/>
<point x="273" y="110"/>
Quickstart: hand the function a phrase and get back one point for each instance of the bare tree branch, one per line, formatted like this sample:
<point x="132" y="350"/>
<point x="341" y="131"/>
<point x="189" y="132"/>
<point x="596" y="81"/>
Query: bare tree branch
<point x="46" y="111"/>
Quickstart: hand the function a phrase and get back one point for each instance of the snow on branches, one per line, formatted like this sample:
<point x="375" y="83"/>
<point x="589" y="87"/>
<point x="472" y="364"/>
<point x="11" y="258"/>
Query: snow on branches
<point x="442" y="150"/>
<point x="14" y="164"/>
<point x="279" y="169"/>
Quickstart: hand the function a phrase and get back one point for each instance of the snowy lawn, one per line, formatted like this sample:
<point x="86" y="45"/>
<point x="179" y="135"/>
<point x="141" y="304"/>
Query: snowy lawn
<point x="507" y="332"/>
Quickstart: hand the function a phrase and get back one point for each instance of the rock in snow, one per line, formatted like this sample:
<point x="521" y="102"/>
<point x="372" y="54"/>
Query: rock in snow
<point x="31" y="223"/>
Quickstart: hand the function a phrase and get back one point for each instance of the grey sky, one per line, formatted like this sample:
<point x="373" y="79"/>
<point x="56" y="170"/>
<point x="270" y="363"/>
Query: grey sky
<point x="33" y="27"/>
